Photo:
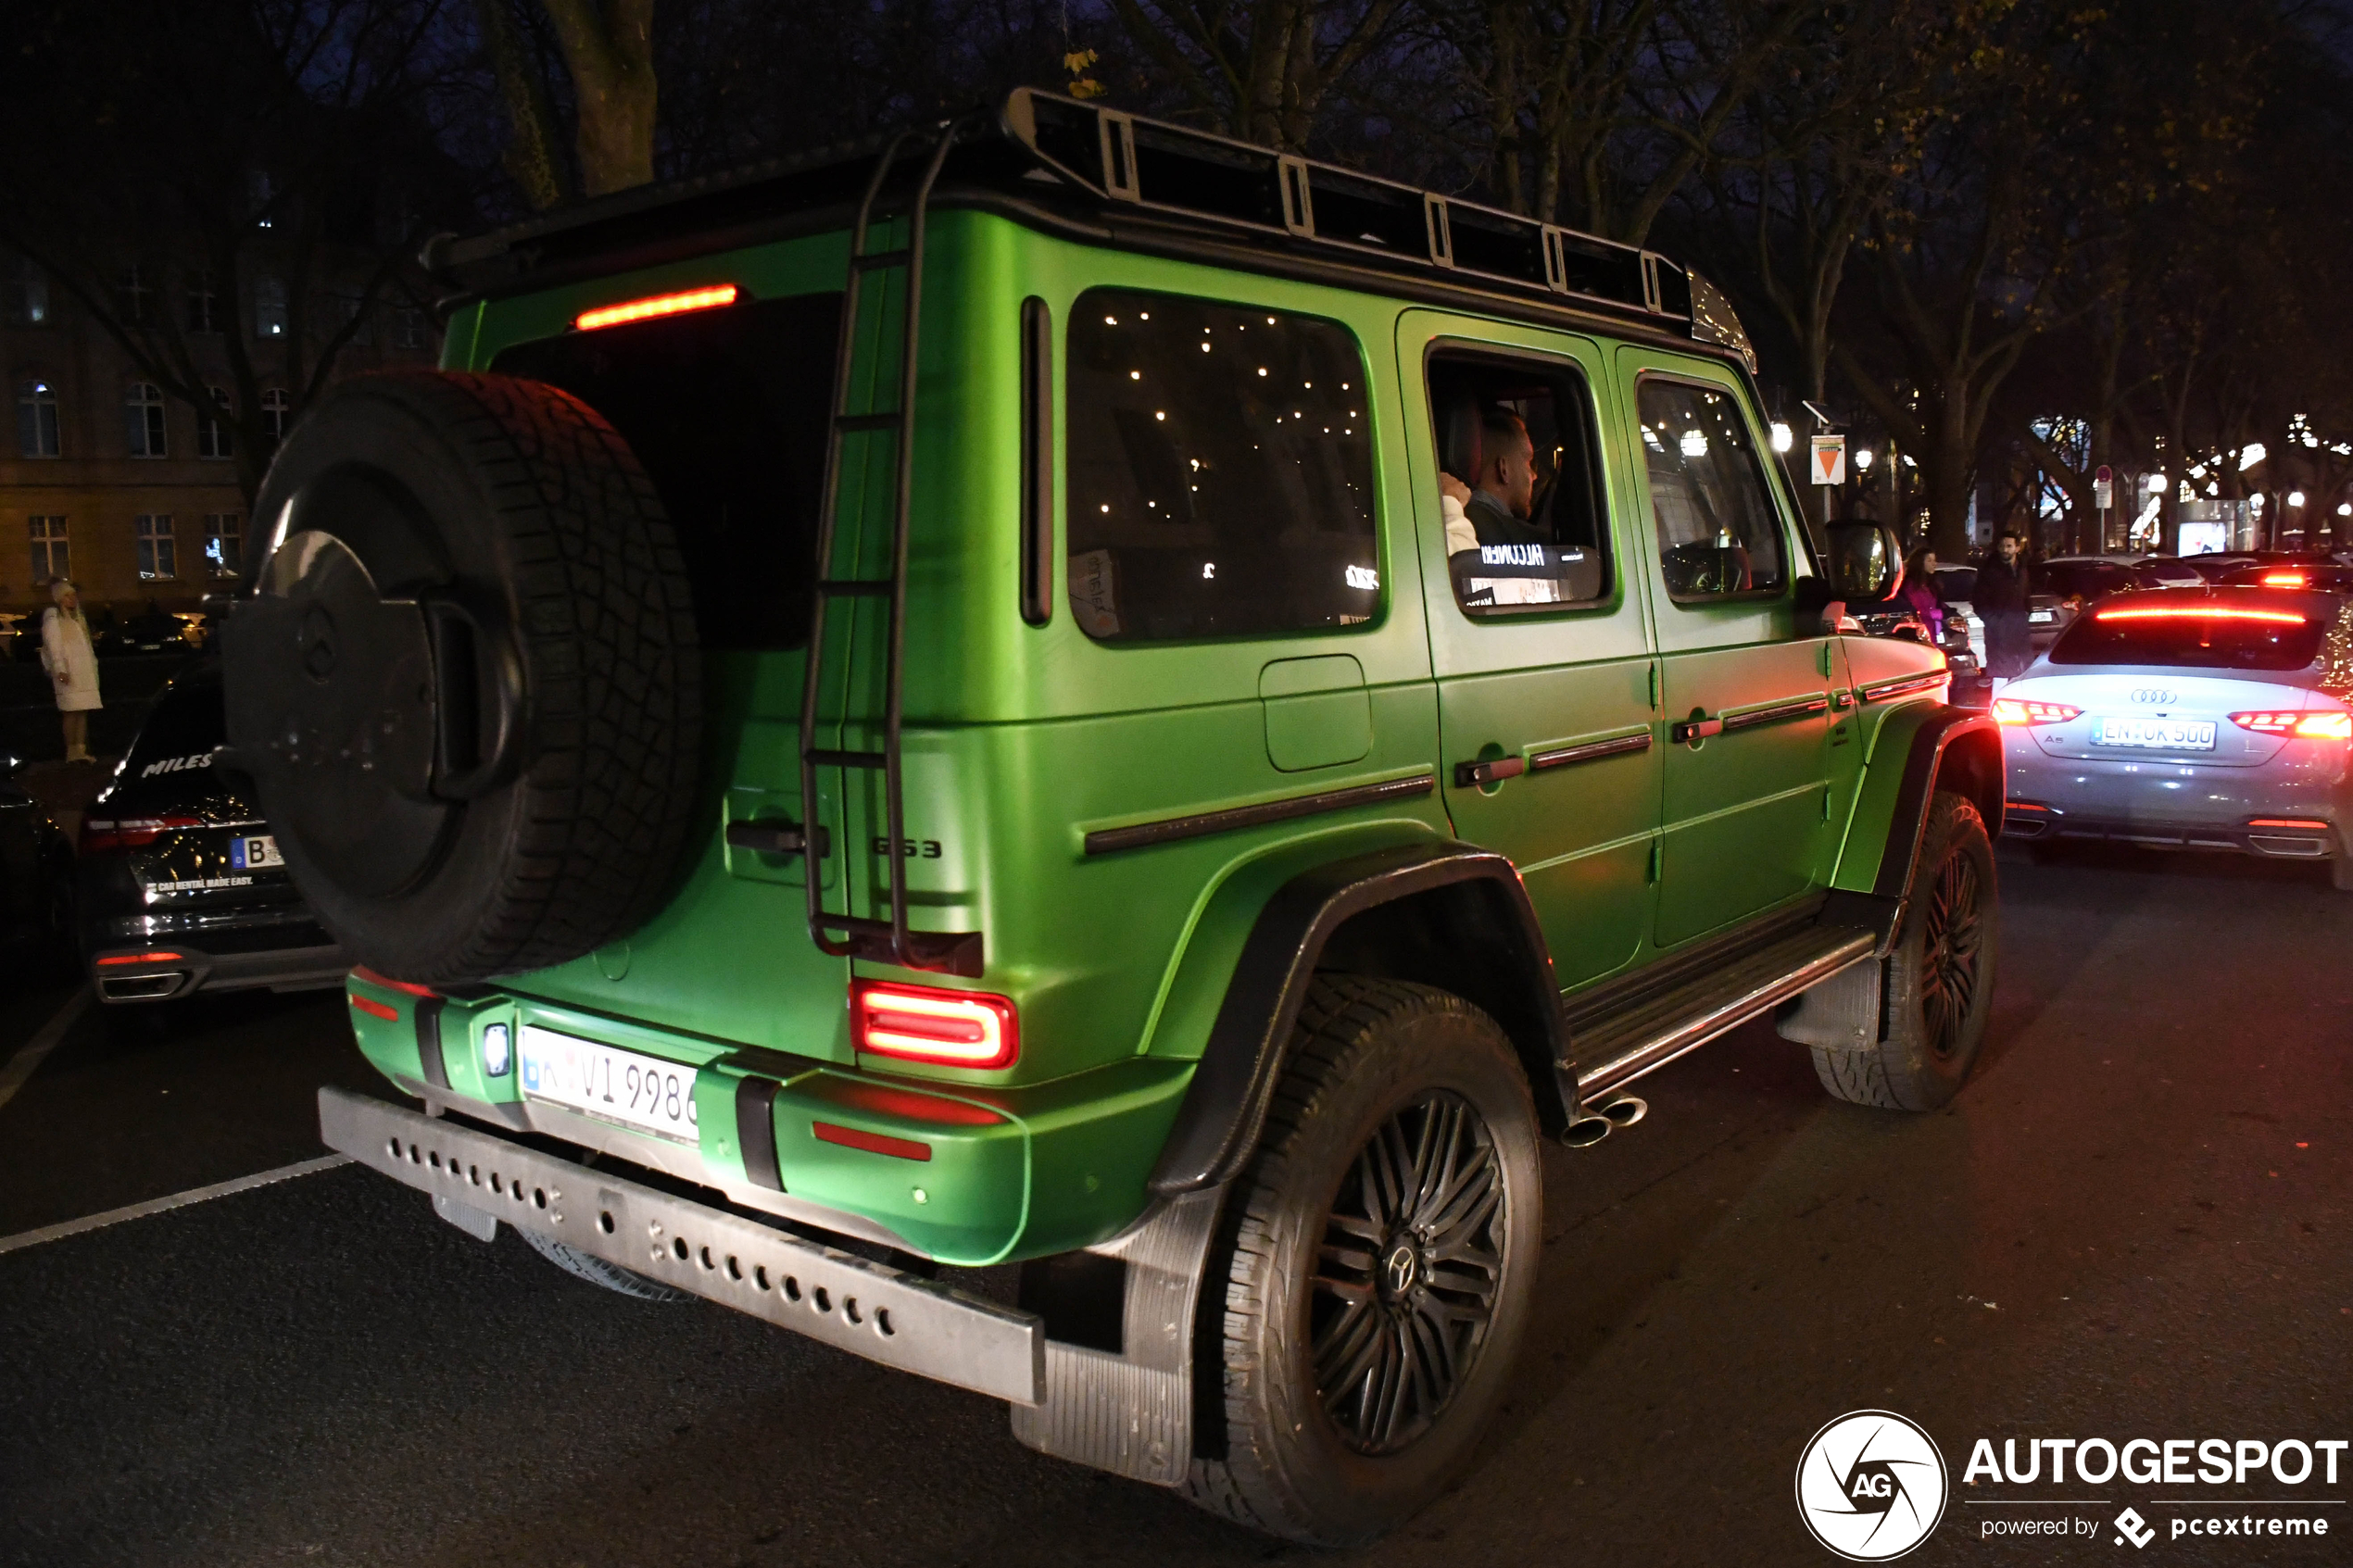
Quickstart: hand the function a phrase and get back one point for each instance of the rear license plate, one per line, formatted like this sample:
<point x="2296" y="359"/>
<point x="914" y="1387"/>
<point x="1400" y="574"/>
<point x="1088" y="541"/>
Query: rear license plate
<point x="642" y="1093"/>
<point x="2155" y="734"/>
<point x="255" y="854"/>
<point x="2040" y="615"/>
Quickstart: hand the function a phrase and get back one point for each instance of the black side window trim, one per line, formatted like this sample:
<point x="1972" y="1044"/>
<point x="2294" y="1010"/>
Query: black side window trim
<point x="1036" y="461"/>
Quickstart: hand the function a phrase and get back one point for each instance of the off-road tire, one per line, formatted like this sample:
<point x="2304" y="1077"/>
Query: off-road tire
<point x="595" y="1271"/>
<point x="1936" y="988"/>
<point x="517" y="503"/>
<point x="1369" y="1056"/>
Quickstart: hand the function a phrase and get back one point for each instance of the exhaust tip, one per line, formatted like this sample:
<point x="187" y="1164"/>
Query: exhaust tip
<point x="1587" y="1130"/>
<point x="1625" y="1110"/>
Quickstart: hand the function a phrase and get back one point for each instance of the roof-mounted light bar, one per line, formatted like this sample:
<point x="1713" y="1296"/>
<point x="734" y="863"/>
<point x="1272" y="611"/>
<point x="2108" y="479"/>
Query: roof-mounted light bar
<point x="709" y="299"/>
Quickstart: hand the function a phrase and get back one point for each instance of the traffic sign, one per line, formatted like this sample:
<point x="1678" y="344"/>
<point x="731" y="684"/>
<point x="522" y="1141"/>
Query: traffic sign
<point x="1829" y="460"/>
<point x="2104" y="488"/>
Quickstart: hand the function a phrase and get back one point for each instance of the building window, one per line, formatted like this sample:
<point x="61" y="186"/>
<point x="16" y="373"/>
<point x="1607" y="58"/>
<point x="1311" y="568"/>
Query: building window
<point x="158" y="553"/>
<point x="213" y="439"/>
<point x="352" y="306"/>
<point x="224" y="542"/>
<point x="274" y="413"/>
<point x="135" y="297"/>
<point x="204" y="304"/>
<point x="143" y="420"/>
<point x="24" y="293"/>
<point x="269" y="307"/>
<point x="49" y="549"/>
<point x="36" y="419"/>
<point x="409" y="329"/>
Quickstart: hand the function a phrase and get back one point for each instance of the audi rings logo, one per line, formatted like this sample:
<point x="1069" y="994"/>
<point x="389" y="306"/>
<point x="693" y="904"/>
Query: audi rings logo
<point x="1871" y="1486"/>
<point x="2155" y="694"/>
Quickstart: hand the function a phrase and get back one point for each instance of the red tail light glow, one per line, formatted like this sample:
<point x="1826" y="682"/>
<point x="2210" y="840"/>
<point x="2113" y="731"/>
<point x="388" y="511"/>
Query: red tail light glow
<point x="2325" y="725"/>
<point x="139" y="957"/>
<point x="2202" y="612"/>
<point x="2307" y="823"/>
<point x="373" y="978"/>
<point x="129" y="832"/>
<point x="375" y="1009"/>
<point x="677" y="304"/>
<point x="2015" y="710"/>
<point x="920" y="1023"/>
<point x="2286" y="580"/>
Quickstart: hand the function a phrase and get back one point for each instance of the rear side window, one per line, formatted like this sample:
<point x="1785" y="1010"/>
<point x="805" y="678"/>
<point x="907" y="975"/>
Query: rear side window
<point x="1719" y="536"/>
<point x="2192" y="637"/>
<point x="727" y="410"/>
<point x="1519" y="435"/>
<point x="1220" y="473"/>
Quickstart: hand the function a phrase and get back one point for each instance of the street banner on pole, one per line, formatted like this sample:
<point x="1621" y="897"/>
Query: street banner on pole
<point x="1829" y="460"/>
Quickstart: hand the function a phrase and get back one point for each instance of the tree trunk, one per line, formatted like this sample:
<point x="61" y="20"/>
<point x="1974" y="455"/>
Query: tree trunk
<point x="608" y="51"/>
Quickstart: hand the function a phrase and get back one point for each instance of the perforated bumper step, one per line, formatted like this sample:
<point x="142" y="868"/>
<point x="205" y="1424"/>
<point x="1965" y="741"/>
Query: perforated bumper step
<point x="868" y="1308"/>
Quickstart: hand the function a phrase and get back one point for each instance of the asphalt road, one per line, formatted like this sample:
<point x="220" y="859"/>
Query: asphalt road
<point x="2134" y="1223"/>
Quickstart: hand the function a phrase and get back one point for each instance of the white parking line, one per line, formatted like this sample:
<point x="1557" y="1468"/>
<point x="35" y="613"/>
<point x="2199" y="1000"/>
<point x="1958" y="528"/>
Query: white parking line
<point x="20" y="1066"/>
<point x="177" y="1200"/>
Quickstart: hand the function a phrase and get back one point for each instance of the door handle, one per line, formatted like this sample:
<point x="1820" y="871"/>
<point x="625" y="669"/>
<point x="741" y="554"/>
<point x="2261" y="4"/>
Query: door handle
<point x="1688" y="730"/>
<point x="1467" y="774"/>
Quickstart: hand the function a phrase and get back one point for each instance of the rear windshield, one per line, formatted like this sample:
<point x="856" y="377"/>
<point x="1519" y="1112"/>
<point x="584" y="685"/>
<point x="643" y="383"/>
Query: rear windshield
<point x="727" y="410"/>
<point x="182" y="730"/>
<point x="2217" y="637"/>
<point x="2087" y="579"/>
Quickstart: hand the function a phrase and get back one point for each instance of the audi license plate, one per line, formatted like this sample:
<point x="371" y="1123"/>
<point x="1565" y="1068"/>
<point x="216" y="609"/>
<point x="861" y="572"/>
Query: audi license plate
<point x="642" y="1093"/>
<point x="2155" y="734"/>
<point x="255" y="853"/>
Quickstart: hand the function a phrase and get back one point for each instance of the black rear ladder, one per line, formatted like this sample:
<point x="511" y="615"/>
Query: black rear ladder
<point x="887" y="941"/>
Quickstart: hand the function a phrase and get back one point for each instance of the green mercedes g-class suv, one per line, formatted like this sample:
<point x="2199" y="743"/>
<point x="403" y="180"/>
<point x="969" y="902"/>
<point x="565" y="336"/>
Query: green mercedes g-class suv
<point x="1053" y="689"/>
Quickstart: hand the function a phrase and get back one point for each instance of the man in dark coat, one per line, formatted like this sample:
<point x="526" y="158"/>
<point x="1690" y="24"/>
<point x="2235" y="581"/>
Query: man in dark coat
<point x="2000" y="602"/>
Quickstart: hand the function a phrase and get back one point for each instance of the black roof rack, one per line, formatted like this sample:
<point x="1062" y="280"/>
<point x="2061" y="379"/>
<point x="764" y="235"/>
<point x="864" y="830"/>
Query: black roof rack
<point x="1041" y="145"/>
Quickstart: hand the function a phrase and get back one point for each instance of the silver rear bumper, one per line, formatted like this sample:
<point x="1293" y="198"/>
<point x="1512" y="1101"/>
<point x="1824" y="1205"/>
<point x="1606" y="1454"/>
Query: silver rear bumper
<point x="477" y="1179"/>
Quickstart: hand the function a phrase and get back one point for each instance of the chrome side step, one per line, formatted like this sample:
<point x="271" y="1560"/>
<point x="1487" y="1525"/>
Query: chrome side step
<point x="1624" y="1045"/>
<point x="478" y="1179"/>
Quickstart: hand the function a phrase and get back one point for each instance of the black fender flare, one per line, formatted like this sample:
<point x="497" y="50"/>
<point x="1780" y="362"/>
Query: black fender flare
<point x="1957" y="748"/>
<point x="1475" y="892"/>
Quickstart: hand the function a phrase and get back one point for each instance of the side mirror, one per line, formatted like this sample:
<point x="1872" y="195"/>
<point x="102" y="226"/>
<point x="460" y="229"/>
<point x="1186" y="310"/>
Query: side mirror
<point x="1866" y="559"/>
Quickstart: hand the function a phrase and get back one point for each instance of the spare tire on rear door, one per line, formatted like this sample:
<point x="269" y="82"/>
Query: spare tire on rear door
<point x="466" y="682"/>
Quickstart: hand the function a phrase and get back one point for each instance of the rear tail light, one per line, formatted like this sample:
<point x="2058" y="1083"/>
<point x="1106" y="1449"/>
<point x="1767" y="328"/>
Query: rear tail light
<point x="2325" y="725"/>
<point x="920" y="1023"/>
<point x="677" y="304"/>
<point x="2286" y="580"/>
<point x="2308" y="824"/>
<point x="139" y="957"/>
<point x="128" y="833"/>
<point x="2017" y="710"/>
<point x="2201" y="612"/>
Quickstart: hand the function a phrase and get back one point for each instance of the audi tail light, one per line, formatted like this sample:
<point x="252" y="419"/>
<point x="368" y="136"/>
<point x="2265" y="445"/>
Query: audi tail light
<point x="677" y="304"/>
<point x="922" y="1023"/>
<point x="2019" y="710"/>
<point x="2335" y="725"/>
<point x="2202" y="612"/>
<point x="128" y="833"/>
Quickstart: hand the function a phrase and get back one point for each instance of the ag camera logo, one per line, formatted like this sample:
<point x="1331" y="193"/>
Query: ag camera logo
<point x="1871" y="1486"/>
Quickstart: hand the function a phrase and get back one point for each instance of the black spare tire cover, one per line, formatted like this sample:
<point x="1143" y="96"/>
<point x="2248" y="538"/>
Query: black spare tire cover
<point x="466" y="683"/>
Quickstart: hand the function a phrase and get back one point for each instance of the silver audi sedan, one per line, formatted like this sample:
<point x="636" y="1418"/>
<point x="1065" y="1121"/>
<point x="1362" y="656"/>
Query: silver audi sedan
<point x="2191" y="717"/>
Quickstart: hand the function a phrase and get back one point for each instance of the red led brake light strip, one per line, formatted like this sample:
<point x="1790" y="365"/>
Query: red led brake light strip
<point x="2202" y="612"/>
<point x="709" y="298"/>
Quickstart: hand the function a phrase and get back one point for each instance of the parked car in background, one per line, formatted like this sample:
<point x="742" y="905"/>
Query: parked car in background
<point x="2188" y="719"/>
<point x="2165" y="571"/>
<point x="1956" y="585"/>
<point x="180" y="886"/>
<point x="36" y="876"/>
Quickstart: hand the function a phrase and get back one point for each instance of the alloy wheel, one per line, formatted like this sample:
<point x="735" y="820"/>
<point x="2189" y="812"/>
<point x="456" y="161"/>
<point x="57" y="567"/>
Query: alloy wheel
<point x="1949" y="952"/>
<point x="1412" y="1257"/>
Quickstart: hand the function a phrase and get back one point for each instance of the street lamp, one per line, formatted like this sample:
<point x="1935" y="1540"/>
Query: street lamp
<point x="1783" y="439"/>
<point x="2295" y="497"/>
<point x="1863" y="459"/>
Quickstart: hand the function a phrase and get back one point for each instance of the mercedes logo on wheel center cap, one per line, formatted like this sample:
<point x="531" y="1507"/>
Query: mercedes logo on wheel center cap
<point x="1871" y="1486"/>
<point x="1400" y="1268"/>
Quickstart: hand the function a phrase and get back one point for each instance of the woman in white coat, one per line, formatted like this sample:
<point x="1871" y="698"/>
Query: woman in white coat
<point x="72" y="665"/>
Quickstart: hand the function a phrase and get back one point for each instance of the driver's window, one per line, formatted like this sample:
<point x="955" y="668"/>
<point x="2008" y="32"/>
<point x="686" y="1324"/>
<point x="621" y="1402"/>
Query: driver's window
<point x="1719" y="536"/>
<point x="1520" y="489"/>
